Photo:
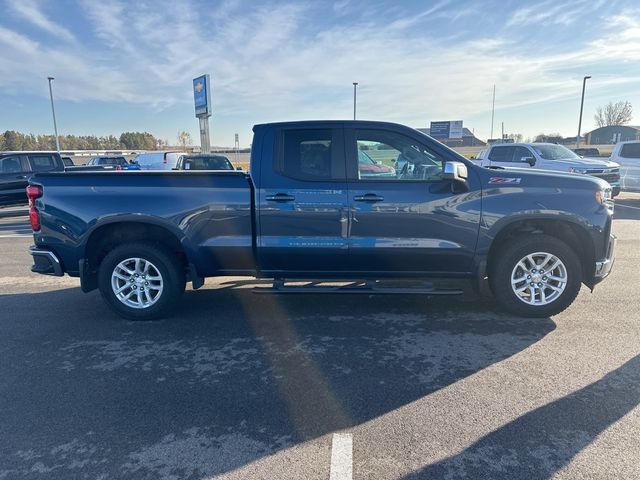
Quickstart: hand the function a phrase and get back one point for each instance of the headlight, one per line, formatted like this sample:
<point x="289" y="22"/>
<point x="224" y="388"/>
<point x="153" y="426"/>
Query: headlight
<point x="577" y="170"/>
<point x="604" y="198"/>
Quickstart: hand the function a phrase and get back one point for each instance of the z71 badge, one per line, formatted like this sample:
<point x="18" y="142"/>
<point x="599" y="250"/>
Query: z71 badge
<point x="504" y="180"/>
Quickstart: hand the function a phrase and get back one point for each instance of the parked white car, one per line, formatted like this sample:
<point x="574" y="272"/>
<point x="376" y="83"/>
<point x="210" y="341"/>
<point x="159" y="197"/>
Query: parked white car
<point x="158" y="160"/>
<point x="549" y="156"/>
<point x="627" y="154"/>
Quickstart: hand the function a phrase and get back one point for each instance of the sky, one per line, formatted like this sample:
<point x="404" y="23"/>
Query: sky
<point x="128" y="66"/>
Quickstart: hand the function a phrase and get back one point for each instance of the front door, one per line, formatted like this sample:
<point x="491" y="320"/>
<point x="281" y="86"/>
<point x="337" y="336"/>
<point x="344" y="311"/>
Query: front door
<point x="302" y="205"/>
<point x="405" y="217"/>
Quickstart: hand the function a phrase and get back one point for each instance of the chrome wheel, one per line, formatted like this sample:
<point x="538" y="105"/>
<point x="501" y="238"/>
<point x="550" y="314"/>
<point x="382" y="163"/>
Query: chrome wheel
<point x="137" y="283"/>
<point x="539" y="278"/>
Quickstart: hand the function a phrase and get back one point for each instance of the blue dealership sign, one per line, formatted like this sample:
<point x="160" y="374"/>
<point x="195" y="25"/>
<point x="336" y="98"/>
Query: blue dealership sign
<point x="202" y="96"/>
<point x="440" y="129"/>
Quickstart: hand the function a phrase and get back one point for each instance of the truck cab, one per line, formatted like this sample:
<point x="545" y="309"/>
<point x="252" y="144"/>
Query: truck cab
<point x="17" y="167"/>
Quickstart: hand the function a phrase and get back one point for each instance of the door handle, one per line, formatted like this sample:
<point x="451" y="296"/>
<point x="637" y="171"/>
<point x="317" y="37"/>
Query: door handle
<point x="369" y="197"/>
<point x="280" y="197"/>
<point x="20" y="177"/>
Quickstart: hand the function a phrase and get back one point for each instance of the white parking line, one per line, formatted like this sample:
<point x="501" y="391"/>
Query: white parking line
<point x="626" y="206"/>
<point x="341" y="457"/>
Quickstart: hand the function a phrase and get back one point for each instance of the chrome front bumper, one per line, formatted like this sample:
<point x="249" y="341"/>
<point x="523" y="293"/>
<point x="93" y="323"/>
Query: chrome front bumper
<point x="603" y="267"/>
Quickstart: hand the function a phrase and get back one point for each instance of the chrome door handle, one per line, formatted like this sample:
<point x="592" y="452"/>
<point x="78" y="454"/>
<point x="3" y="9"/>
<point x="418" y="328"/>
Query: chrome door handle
<point x="280" y="197"/>
<point x="369" y="197"/>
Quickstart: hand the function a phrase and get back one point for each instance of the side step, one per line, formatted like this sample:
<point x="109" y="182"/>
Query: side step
<point x="371" y="287"/>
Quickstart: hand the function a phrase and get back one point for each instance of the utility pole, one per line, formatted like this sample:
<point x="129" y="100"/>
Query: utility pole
<point x="584" y="83"/>
<point x="53" y="111"/>
<point x="493" y="108"/>
<point x="355" y="86"/>
<point x="502" y="130"/>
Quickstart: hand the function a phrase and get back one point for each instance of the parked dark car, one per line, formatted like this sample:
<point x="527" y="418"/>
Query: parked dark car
<point x="587" y="152"/>
<point x="204" y="161"/>
<point x="112" y="162"/>
<point x="304" y="212"/>
<point x="17" y="167"/>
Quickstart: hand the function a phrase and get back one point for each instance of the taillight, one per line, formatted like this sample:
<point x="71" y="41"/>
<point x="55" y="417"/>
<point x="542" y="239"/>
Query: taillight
<point x="34" y="192"/>
<point x="118" y="167"/>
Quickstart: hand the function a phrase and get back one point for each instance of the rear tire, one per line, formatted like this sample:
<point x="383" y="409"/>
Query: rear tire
<point x="141" y="281"/>
<point x="536" y="276"/>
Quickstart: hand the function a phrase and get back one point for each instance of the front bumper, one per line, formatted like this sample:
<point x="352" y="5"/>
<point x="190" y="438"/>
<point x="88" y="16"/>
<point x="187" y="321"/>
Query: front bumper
<point x="45" y="262"/>
<point x="603" y="267"/>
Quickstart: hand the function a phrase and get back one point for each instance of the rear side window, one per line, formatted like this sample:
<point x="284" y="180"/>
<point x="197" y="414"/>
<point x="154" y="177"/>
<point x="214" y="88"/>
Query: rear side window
<point x="10" y="165"/>
<point x="306" y="154"/>
<point x="42" y="163"/>
<point x="501" y="154"/>
<point x="630" y="150"/>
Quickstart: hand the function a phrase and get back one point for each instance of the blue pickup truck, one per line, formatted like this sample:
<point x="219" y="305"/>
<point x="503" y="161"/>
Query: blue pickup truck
<point x="307" y="211"/>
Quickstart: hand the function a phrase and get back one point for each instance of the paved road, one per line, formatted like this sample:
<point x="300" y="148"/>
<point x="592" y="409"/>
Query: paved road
<point x="242" y="386"/>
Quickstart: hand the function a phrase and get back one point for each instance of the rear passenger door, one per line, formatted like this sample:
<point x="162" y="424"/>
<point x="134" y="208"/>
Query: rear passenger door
<point x="13" y="179"/>
<point x="302" y="204"/>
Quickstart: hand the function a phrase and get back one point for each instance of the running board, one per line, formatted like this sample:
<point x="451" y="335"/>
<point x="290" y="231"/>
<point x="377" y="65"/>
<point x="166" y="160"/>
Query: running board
<point x="353" y="288"/>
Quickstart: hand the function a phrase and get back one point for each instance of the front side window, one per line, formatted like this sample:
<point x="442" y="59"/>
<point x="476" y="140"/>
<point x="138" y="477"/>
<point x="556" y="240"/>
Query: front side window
<point x="384" y="155"/>
<point x="306" y="154"/>
<point x="630" y="150"/>
<point x="520" y="154"/>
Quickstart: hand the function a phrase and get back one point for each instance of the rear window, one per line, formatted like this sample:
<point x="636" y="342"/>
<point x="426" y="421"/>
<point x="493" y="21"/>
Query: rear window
<point x="630" y="150"/>
<point x="112" y="161"/>
<point x="207" y="163"/>
<point x="42" y="163"/>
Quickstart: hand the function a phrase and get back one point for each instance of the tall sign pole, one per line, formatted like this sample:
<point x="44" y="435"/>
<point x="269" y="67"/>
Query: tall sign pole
<point x="53" y="111"/>
<point x="202" y="102"/>
<point x="237" y="147"/>
<point x="493" y="107"/>
<point x="584" y="84"/>
<point x="355" y="86"/>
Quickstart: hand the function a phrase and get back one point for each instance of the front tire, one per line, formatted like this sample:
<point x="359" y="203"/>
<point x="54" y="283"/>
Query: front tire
<point x="141" y="281"/>
<point x="536" y="276"/>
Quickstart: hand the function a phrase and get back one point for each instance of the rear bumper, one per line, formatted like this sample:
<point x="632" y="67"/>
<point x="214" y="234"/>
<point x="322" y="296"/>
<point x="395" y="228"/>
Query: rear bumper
<point x="45" y="262"/>
<point x="603" y="267"/>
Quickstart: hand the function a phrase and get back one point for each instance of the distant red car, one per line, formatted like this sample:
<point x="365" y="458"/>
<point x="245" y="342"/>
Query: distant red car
<point x="368" y="167"/>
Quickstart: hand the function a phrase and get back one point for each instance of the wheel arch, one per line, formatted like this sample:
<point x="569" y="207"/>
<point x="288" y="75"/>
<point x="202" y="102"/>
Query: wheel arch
<point x="115" y="231"/>
<point x="575" y="235"/>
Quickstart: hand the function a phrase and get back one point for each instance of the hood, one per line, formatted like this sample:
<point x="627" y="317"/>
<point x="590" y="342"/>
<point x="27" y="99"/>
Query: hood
<point x="527" y="177"/>
<point x="591" y="163"/>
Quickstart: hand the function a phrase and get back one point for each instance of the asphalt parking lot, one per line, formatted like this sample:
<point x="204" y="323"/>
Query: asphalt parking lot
<point x="245" y="386"/>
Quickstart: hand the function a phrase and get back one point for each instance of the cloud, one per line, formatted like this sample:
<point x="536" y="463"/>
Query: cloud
<point x="277" y="61"/>
<point x="29" y="10"/>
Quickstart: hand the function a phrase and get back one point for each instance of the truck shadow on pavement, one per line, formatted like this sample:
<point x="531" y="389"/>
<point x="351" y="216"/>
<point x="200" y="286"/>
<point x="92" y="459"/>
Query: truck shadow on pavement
<point x="541" y="442"/>
<point x="234" y="377"/>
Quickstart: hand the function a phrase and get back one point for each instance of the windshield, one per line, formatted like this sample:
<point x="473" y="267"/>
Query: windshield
<point x="112" y="161"/>
<point x="554" y="152"/>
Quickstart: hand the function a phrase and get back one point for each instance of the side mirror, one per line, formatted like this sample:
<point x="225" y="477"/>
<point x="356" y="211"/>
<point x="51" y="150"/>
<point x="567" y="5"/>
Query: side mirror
<point x="530" y="160"/>
<point x="456" y="171"/>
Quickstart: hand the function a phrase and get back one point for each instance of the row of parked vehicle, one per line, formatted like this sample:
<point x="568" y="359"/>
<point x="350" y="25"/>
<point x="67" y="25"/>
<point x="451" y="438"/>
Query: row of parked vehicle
<point x="621" y="170"/>
<point x="16" y="168"/>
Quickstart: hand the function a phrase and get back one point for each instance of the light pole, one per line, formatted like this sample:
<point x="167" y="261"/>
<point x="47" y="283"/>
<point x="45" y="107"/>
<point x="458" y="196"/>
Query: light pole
<point x="53" y="111"/>
<point x="355" y="85"/>
<point x="584" y="83"/>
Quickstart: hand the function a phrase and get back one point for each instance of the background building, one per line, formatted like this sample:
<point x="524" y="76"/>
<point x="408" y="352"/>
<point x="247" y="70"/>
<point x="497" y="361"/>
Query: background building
<point x="612" y="134"/>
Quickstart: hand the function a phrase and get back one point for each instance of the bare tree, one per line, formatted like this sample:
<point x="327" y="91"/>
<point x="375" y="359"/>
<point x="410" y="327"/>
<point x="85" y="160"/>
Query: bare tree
<point x="517" y="137"/>
<point x="184" y="139"/>
<point x="619" y="113"/>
